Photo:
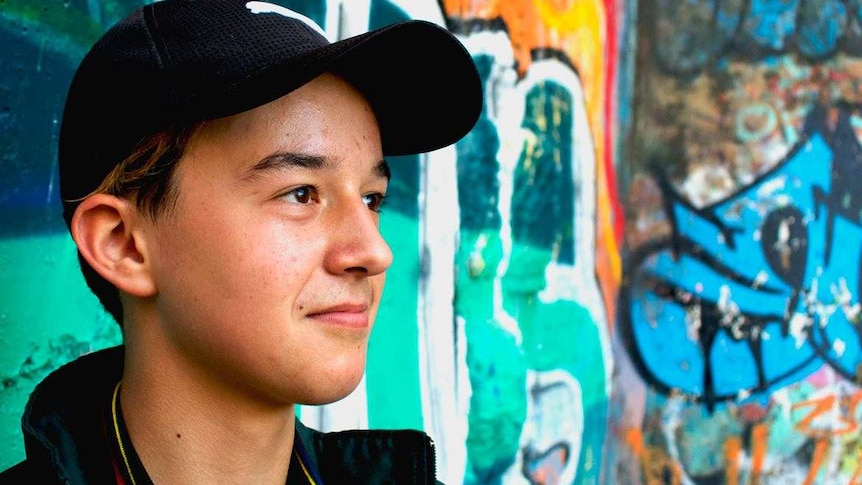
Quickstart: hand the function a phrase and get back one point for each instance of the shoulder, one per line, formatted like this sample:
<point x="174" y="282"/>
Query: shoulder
<point x="403" y="456"/>
<point x="24" y="472"/>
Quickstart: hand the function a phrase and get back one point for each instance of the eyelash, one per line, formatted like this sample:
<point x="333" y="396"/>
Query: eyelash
<point x="293" y="192"/>
<point x="381" y="200"/>
<point x="312" y="195"/>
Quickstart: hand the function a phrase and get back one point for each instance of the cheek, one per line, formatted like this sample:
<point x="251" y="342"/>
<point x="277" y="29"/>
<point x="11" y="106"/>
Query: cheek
<point x="378" y="282"/>
<point x="240" y="261"/>
<point x="377" y="285"/>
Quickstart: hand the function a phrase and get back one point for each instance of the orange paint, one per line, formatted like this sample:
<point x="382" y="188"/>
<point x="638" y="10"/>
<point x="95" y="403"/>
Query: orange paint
<point x="732" y="452"/>
<point x="847" y="425"/>
<point x="825" y="404"/>
<point x="634" y="438"/>
<point x="655" y="463"/>
<point x="608" y="261"/>
<point x="821" y="448"/>
<point x="820" y="405"/>
<point x="851" y="403"/>
<point x="759" y="439"/>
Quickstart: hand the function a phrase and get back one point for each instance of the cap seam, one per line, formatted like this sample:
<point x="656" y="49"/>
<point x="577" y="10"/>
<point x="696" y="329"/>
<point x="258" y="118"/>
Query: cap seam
<point x="163" y="57"/>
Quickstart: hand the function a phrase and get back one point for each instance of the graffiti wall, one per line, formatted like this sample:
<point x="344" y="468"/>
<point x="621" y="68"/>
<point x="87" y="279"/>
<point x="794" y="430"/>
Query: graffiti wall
<point x="739" y="343"/>
<point x="534" y="220"/>
<point x="494" y="333"/>
<point x="641" y="267"/>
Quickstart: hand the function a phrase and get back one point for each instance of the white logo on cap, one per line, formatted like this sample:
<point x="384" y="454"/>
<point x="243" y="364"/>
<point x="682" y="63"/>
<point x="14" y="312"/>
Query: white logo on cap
<point x="265" y="7"/>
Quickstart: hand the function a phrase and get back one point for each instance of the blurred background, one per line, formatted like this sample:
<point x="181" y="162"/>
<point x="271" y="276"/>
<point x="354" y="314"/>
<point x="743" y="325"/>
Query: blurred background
<point x="642" y="266"/>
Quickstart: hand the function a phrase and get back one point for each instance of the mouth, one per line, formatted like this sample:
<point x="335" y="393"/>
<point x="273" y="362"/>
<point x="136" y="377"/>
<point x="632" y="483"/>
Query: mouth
<point x="348" y="315"/>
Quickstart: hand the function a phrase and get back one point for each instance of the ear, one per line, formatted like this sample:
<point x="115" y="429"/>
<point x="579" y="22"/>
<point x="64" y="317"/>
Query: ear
<point x="108" y="234"/>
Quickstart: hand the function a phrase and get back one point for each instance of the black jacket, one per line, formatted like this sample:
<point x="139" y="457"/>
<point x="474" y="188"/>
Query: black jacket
<point x="67" y="437"/>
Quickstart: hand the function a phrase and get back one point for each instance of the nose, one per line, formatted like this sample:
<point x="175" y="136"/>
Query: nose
<point x="357" y="246"/>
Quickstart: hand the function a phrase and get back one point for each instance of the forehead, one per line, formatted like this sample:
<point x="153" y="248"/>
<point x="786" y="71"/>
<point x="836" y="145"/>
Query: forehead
<point x="326" y="117"/>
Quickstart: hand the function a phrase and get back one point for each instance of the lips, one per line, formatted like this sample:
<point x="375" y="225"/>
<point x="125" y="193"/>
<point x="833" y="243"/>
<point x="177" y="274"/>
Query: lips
<point x="349" y="315"/>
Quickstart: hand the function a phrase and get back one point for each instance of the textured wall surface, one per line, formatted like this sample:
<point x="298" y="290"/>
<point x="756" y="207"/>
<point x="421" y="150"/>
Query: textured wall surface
<point x="534" y="205"/>
<point x="493" y="334"/>
<point x="739" y="315"/>
<point x="641" y="267"/>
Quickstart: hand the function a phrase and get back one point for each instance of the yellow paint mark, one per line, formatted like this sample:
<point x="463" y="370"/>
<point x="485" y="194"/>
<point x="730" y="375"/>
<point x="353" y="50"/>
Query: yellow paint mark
<point x="608" y="260"/>
<point x="856" y="479"/>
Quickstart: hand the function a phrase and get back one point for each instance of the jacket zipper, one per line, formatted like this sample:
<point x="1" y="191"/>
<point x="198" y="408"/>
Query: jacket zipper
<point x="432" y="468"/>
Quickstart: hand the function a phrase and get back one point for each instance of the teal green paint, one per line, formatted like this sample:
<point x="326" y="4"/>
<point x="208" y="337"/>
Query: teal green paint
<point x="392" y="372"/>
<point x="556" y="335"/>
<point x="478" y="169"/>
<point x="498" y="403"/>
<point x="543" y="198"/>
<point x="478" y="257"/>
<point x="383" y="12"/>
<point x="497" y="370"/>
<point x="313" y="9"/>
<point x="47" y="317"/>
<point x="73" y="24"/>
<point x="702" y="437"/>
<point x="526" y="272"/>
<point x="496" y="365"/>
<point x="560" y="334"/>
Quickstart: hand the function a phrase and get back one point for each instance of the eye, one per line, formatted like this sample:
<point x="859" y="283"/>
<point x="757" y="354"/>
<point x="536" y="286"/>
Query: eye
<point x="301" y="195"/>
<point x="374" y="201"/>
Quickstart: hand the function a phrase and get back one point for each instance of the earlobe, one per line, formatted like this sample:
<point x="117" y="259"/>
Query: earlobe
<point x="105" y="229"/>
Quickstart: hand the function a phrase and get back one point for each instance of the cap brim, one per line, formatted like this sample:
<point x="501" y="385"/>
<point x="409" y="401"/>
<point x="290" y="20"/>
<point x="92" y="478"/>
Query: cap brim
<point x="421" y="82"/>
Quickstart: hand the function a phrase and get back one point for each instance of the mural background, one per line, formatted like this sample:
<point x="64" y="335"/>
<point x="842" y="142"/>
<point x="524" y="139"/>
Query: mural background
<point x="739" y="329"/>
<point x="640" y="267"/>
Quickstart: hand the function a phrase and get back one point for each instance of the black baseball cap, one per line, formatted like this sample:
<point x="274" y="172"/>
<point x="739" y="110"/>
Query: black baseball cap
<point x="177" y="62"/>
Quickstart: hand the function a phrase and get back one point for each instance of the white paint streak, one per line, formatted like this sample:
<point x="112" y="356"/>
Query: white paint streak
<point x="444" y="378"/>
<point x="266" y="7"/>
<point x="799" y="324"/>
<point x="839" y="346"/>
<point x="761" y="279"/>
<point x="693" y="322"/>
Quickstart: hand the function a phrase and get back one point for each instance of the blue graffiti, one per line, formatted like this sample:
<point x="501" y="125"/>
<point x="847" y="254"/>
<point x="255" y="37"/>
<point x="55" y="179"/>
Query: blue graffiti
<point x="747" y="294"/>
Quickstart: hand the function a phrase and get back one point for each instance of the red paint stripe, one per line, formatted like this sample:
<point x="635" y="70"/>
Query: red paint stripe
<point x="612" y="53"/>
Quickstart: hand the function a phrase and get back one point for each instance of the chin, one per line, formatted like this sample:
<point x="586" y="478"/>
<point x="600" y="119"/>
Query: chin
<point x="328" y="396"/>
<point x="337" y="388"/>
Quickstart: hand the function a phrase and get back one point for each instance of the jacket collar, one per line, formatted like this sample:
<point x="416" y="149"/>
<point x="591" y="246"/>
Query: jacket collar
<point x="65" y="429"/>
<point x="64" y="420"/>
<point x="67" y="424"/>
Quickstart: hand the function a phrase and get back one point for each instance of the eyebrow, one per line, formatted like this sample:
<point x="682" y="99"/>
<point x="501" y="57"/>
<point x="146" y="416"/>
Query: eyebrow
<point x="289" y="160"/>
<point x="382" y="169"/>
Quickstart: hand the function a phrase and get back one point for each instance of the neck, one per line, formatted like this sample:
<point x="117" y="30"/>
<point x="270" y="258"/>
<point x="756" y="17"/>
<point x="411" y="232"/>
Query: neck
<point x="188" y="427"/>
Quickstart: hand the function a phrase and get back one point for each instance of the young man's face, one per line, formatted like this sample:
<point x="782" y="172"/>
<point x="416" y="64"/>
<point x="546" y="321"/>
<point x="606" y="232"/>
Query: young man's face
<point x="271" y="265"/>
